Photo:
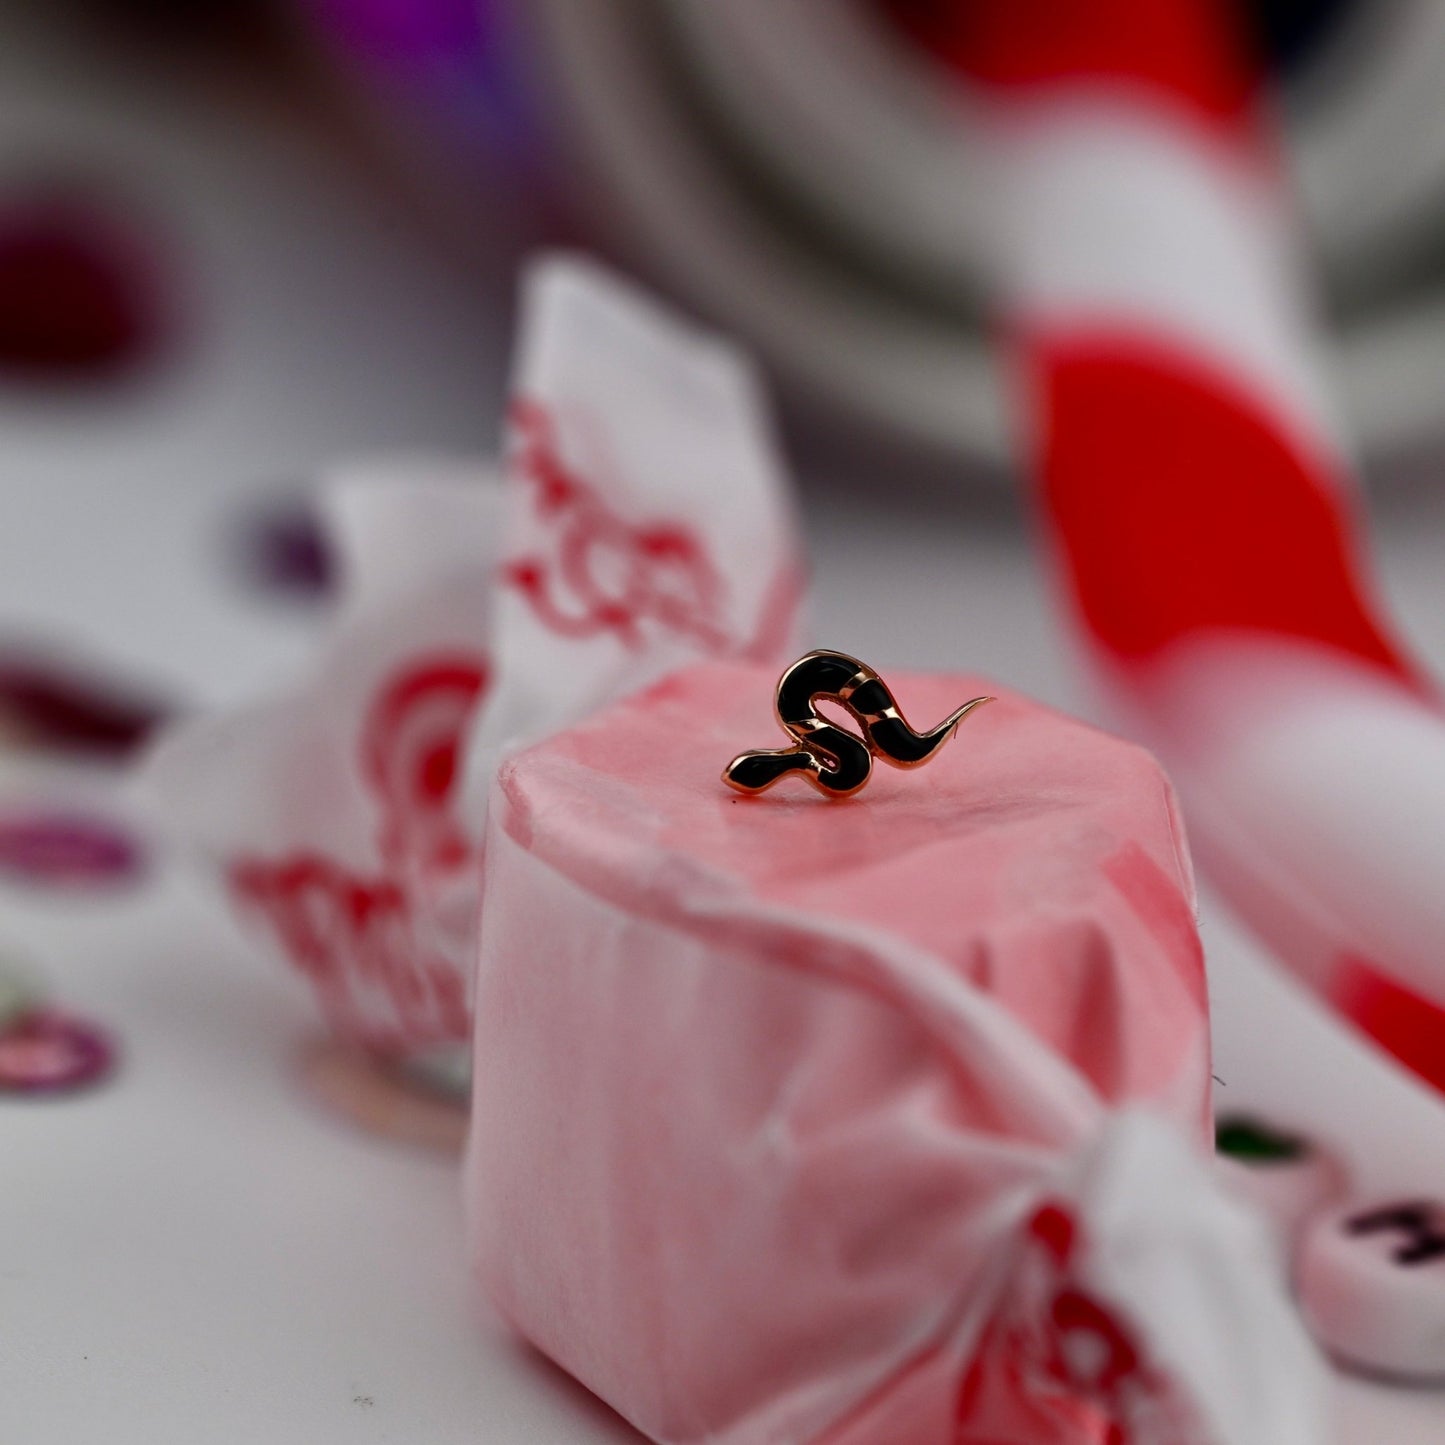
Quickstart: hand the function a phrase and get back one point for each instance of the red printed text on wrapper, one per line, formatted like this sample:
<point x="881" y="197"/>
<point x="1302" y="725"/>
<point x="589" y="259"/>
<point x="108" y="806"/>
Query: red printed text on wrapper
<point x="598" y="573"/>
<point x="356" y="936"/>
<point x="1058" y="1366"/>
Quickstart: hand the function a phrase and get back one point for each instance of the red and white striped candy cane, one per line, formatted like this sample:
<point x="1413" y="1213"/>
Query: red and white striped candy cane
<point x="1200" y="493"/>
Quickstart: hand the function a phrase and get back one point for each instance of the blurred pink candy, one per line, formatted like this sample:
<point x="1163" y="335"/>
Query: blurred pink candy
<point x="67" y="850"/>
<point x="51" y="1053"/>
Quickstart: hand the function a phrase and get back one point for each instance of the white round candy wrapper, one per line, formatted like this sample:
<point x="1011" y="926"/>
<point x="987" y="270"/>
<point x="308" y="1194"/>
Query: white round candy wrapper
<point x="1287" y="1177"/>
<point x="1371" y="1283"/>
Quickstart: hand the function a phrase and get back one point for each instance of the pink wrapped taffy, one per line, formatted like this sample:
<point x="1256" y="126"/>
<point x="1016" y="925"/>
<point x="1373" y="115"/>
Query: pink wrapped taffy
<point x="862" y="1122"/>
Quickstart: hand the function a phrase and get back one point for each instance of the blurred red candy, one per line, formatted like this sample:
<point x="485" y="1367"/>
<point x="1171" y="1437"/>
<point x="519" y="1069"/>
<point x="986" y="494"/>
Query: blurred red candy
<point x="78" y="292"/>
<point x="58" y="707"/>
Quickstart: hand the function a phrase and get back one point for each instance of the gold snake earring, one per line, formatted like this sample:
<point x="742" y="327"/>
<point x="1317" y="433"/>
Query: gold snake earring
<point x="835" y="761"/>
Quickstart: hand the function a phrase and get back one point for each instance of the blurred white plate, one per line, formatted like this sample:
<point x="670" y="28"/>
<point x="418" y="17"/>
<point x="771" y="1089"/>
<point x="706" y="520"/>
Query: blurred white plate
<point x="793" y="169"/>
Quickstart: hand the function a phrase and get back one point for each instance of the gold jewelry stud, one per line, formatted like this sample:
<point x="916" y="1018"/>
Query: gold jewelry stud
<point x="833" y="760"/>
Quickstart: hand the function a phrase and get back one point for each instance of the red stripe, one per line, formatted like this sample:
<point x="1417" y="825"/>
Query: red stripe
<point x="1400" y="1020"/>
<point x="1182" y="508"/>
<point x="1191" y="52"/>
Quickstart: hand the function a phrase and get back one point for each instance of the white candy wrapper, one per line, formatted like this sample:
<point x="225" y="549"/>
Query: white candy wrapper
<point x="649" y="521"/>
<point x="642" y="523"/>
<point x="331" y="813"/>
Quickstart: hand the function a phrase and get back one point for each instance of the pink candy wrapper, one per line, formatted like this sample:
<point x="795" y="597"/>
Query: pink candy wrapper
<point x="642" y="523"/>
<point x="864" y="1122"/>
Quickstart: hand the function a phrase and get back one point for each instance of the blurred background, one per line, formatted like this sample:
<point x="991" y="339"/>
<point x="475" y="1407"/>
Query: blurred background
<point x="243" y="240"/>
<point x="240" y="240"/>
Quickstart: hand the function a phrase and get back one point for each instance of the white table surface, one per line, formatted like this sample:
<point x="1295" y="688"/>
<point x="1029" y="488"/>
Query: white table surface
<point x="197" y="1252"/>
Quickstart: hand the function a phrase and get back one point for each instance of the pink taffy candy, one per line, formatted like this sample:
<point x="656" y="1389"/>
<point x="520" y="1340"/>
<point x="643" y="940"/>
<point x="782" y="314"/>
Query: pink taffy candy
<point x="798" y="1120"/>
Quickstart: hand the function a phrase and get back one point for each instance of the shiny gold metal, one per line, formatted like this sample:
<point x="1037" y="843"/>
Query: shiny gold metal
<point x="832" y="759"/>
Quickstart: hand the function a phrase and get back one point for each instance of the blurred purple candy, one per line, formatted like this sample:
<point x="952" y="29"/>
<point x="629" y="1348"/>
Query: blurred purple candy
<point x="398" y="30"/>
<point x="284" y="550"/>
<point x="67" y="850"/>
<point x="450" y="78"/>
<point x="49" y="1053"/>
